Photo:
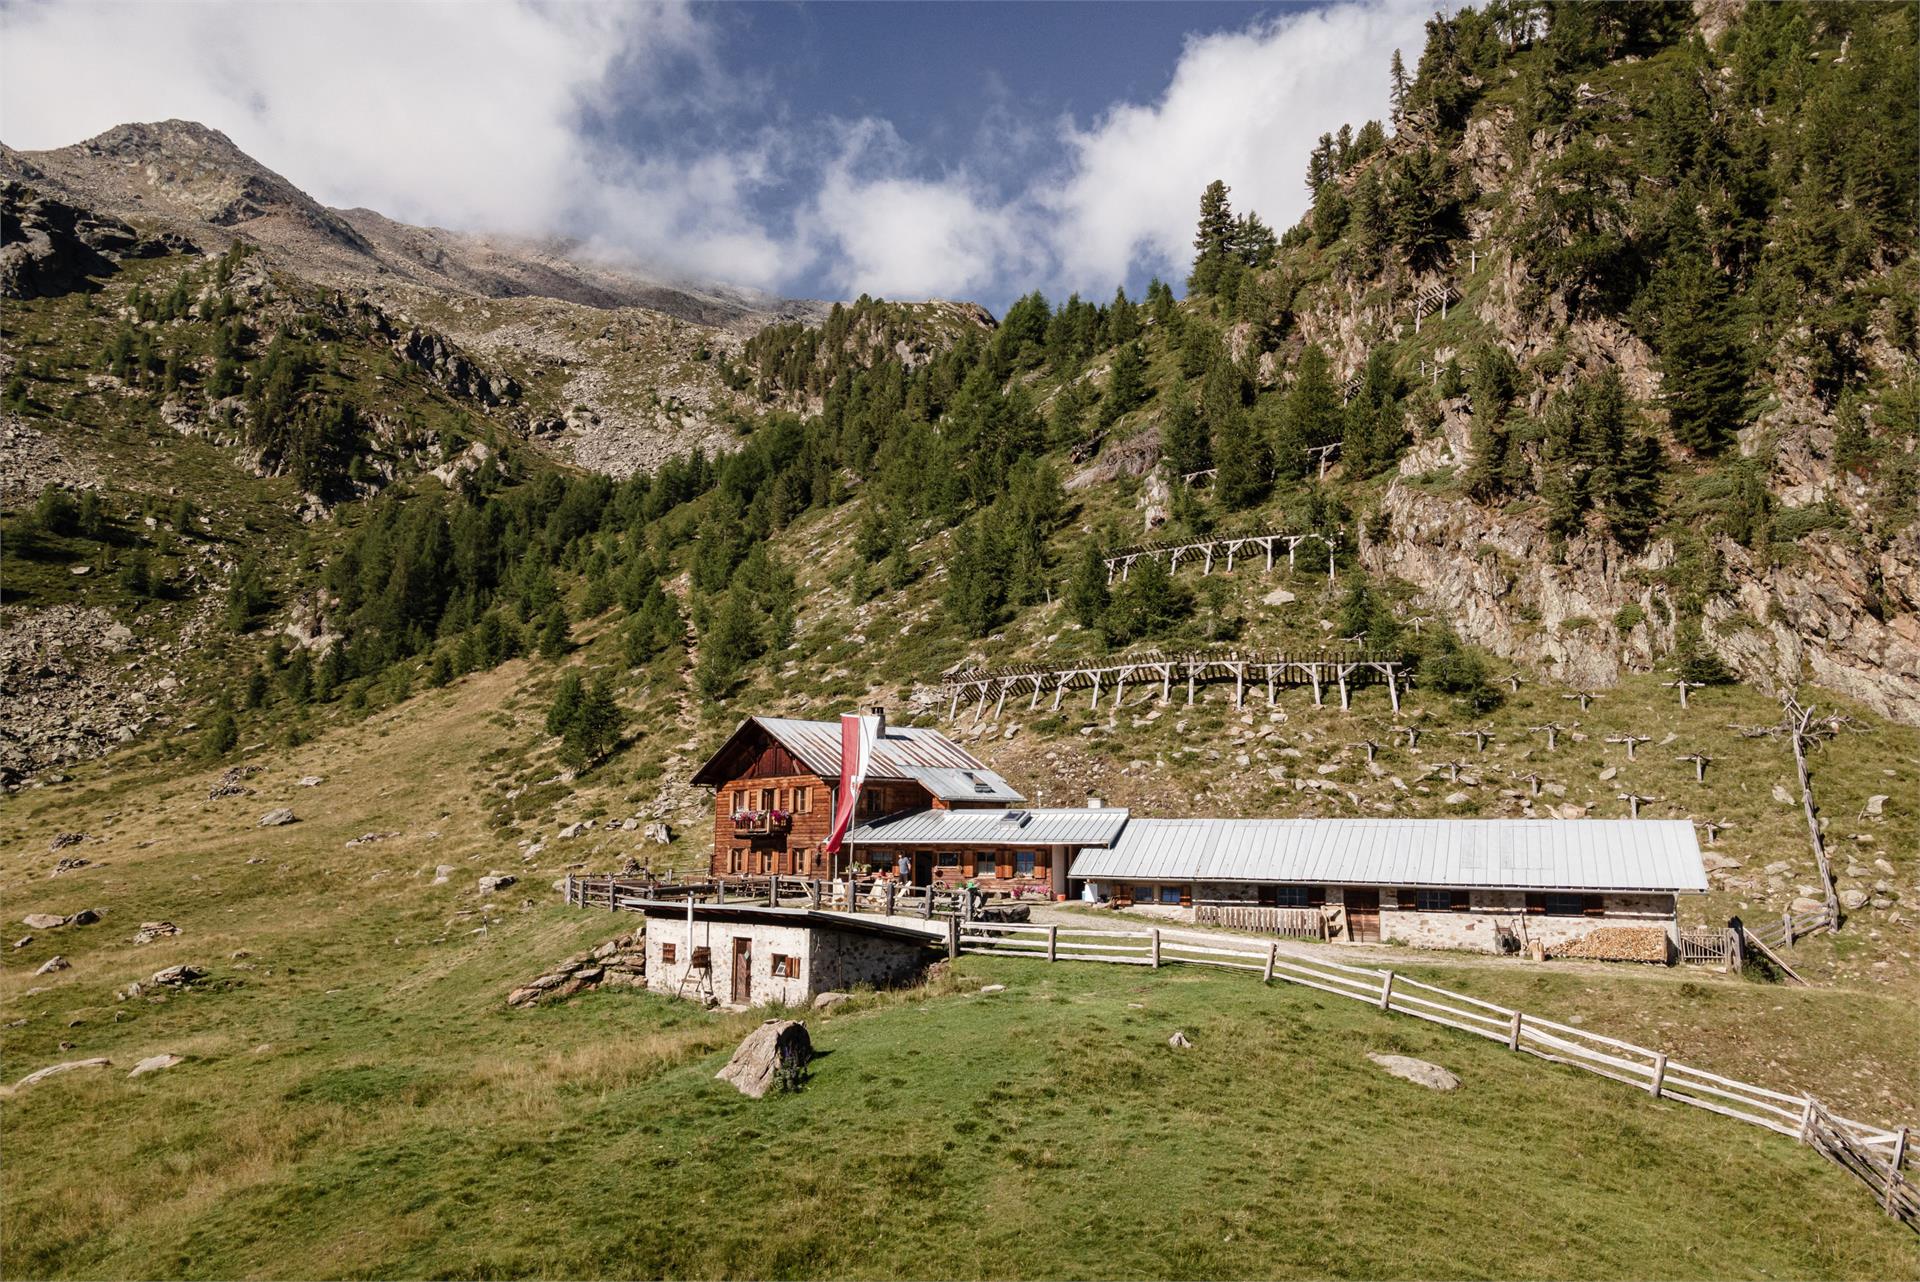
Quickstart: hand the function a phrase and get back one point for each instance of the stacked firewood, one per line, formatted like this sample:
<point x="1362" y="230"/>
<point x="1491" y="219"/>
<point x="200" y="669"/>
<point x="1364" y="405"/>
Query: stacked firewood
<point x="1617" y="943"/>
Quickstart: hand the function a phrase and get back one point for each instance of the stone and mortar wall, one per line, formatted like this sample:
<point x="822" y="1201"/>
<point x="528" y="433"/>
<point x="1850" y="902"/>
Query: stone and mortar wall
<point x="829" y="959"/>
<point x="666" y="977"/>
<point x="1475" y="928"/>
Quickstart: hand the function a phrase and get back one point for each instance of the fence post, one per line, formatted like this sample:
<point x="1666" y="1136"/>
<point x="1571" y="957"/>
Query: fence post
<point x="612" y="904"/>
<point x="1893" y="1172"/>
<point x="926" y="906"/>
<point x="953" y="936"/>
<point x="1659" y="1074"/>
<point x="1053" y="943"/>
<point x="1386" y="991"/>
<point x="1513" y="1033"/>
<point x="1273" y="954"/>
<point x="889" y="903"/>
<point x="569" y="890"/>
<point x="1156" y="948"/>
<point x="1806" y="1121"/>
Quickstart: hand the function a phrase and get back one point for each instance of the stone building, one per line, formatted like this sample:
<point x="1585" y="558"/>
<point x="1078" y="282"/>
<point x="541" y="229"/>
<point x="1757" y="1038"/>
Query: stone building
<point x="1489" y="884"/>
<point x="753" y="955"/>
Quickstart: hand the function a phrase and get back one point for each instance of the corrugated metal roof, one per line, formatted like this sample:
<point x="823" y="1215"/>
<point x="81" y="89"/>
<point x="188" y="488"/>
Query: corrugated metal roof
<point x="1085" y="826"/>
<point x="923" y="755"/>
<point x="1531" y="854"/>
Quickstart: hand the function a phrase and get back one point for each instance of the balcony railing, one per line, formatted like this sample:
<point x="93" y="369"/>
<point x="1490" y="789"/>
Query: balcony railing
<point x="757" y="822"/>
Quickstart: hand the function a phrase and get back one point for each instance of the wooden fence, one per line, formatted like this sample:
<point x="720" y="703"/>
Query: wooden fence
<point x="1876" y="1155"/>
<point x="1709" y="946"/>
<point x="1791" y="926"/>
<point x="876" y="895"/>
<point x="1293" y="923"/>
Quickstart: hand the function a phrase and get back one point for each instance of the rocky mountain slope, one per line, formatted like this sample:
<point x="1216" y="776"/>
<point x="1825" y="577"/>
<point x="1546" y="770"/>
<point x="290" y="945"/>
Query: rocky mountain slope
<point x="192" y="180"/>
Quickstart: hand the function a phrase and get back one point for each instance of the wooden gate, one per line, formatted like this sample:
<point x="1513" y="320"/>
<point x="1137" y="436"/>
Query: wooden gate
<point x="1363" y="916"/>
<point x="742" y="971"/>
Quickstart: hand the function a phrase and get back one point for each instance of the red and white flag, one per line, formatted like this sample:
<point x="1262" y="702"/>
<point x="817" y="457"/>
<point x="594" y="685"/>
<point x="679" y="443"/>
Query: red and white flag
<point x="857" y="735"/>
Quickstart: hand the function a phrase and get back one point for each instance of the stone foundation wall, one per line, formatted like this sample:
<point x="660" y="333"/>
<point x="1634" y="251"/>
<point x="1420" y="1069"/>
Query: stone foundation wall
<point x="1492" y="910"/>
<point x="828" y="960"/>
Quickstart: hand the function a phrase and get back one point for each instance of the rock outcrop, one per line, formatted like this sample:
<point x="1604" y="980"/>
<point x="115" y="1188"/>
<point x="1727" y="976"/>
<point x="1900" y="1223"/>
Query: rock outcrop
<point x="779" y="1047"/>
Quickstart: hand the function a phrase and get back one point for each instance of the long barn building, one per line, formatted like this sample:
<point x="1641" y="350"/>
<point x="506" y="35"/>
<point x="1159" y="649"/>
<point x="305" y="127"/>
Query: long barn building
<point x="929" y="812"/>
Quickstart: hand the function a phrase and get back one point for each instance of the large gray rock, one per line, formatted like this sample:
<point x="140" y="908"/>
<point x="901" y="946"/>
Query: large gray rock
<point x="755" y="1066"/>
<point x="496" y="881"/>
<point x="52" y="964"/>
<point x="43" y="921"/>
<point x="276" y="818"/>
<point x="154" y="1063"/>
<point x="1852" y="899"/>
<point x="1417" y="1071"/>
<point x="54" y="1070"/>
<point x="827" y="1001"/>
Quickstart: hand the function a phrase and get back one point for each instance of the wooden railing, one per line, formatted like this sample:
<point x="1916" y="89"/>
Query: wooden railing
<point x="1791" y="926"/>
<point x="1876" y="1155"/>
<point x="1293" y="923"/>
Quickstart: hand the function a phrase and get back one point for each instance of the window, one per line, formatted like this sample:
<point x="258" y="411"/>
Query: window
<point x="668" y="952"/>
<point x="1297" y="896"/>
<point x="983" y="866"/>
<point x="803" y="801"/>
<point x="785" y="966"/>
<point x="1023" y="863"/>
<point x="1564" y="905"/>
<point x="949" y="859"/>
<point x="1170" y="894"/>
<point x="1433" y="901"/>
<point x="733" y="860"/>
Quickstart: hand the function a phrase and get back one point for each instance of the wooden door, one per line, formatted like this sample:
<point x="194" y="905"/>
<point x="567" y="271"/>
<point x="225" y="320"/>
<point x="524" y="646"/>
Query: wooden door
<point x="742" y="971"/>
<point x="1363" y="916"/>
<point x="922" y="867"/>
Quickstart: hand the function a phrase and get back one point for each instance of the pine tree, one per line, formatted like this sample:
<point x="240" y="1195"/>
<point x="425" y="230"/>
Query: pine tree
<point x="593" y="729"/>
<point x="730" y="642"/>
<point x="555" y="631"/>
<point x="1702" y="350"/>
<point x="1213" y="241"/>
<point x="566" y="702"/>
<point x="1397" y="95"/>
<point x="1184" y="444"/>
<point x="1148" y="603"/>
<point x="1126" y="384"/>
<point x="1087" y="593"/>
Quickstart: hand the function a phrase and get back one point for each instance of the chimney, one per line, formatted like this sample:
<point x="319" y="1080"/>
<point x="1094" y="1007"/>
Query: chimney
<point x="879" y="713"/>
<point x="1094" y="803"/>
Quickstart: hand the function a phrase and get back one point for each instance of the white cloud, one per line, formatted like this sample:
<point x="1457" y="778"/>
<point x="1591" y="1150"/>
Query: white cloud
<point x="1245" y="107"/>
<point x="488" y="115"/>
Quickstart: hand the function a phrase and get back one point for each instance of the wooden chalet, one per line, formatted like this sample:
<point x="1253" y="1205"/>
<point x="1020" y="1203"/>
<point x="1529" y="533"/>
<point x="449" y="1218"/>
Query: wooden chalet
<point x="776" y="779"/>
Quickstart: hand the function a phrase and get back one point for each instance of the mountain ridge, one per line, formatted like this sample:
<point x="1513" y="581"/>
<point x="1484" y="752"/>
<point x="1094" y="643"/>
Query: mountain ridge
<point x="195" y="180"/>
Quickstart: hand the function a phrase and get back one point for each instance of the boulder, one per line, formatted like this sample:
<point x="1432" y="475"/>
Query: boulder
<point x="1179" y="1040"/>
<point x="43" y="921"/>
<point x="309" y="781"/>
<point x="993" y="988"/>
<point x="152" y="930"/>
<point x="1718" y="863"/>
<point x="827" y="1001"/>
<point x="1877" y="803"/>
<point x="496" y="881"/>
<point x="1853" y="899"/>
<point x="1417" y="1071"/>
<point x="276" y="818"/>
<point x="755" y="1066"/>
<point x="154" y="1063"/>
<point x="1780" y="795"/>
<point x="658" y="832"/>
<point x="1804" y="904"/>
<point x="85" y="917"/>
<point x="1279" y="596"/>
<point x="54" y="1070"/>
<point x="52" y="964"/>
<point x="178" y="976"/>
<point x="441" y="874"/>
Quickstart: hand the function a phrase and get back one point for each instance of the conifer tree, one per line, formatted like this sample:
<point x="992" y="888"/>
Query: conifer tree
<point x="1702" y="350"/>
<point x="1397" y="94"/>
<point x="1184" y="442"/>
<point x="730" y="642"/>
<point x="1087" y="593"/>
<point x="1213" y="240"/>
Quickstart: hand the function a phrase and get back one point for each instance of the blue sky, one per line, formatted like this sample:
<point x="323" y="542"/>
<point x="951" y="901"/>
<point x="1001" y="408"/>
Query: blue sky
<point x="972" y="150"/>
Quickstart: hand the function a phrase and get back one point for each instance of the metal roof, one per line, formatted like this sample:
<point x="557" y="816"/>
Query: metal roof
<point x="924" y="756"/>
<point x="1085" y="826"/>
<point x="668" y="911"/>
<point x="1529" y="854"/>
